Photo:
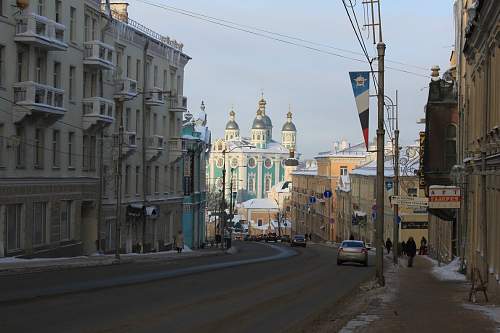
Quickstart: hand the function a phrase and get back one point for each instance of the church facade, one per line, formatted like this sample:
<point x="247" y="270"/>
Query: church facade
<point x="253" y="164"/>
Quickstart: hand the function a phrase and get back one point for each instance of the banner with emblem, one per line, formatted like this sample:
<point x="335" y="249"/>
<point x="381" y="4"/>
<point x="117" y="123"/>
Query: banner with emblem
<point x="360" y="82"/>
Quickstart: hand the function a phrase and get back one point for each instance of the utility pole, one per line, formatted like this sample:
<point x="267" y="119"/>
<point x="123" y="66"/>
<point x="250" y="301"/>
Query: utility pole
<point x="395" y="235"/>
<point x="231" y="198"/>
<point x="119" y="112"/>
<point x="101" y="188"/>
<point x="145" y="179"/>
<point x="222" y="224"/>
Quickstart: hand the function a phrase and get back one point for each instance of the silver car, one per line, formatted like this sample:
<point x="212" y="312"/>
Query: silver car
<point x="352" y="251"/>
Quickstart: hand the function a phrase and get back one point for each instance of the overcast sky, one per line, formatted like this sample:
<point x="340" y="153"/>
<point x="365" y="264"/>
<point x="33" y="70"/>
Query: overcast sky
<point x="231" y="67"/>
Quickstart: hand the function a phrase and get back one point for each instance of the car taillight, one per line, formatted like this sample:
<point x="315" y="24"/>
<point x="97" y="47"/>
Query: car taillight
<point x="364" y="250"/>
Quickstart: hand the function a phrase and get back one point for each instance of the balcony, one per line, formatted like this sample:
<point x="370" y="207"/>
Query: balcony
<point x="41" y="32"/>
<point x="125" y="88"/>
<point x="155" y="97"/>
<point x="97" y="110"/>
<point x="177" y="103"/>
<point x="154" y="147"/>
<point x="40" y="98"/>
<point x="98" y="55"/>
<point x="175" y="145"/>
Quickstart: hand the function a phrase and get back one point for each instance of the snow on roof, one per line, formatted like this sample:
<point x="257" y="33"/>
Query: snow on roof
<point x="259" y="204"/>
<point x="356" y="151"/>
<point x="282" y="187"/>
<point x="344" y="183"/>
<point x="370" y="169"/>
<point x="306" y="172"/>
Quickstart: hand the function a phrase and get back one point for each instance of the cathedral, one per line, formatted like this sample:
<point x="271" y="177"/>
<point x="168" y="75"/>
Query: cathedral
<point x="253" y="164"/>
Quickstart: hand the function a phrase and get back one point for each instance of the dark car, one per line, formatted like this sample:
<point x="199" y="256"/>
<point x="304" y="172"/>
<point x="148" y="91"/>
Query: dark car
<point x="285" y="239"/>
<point x="299" y="240"/>
<point x="271" y="237"/>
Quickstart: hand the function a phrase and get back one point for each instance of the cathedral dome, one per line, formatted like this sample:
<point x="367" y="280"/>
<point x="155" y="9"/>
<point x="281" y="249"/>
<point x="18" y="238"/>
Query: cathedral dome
<point x="258" y="122"/>
<point x="232" y="124"/>
<point x="289" y="126"/>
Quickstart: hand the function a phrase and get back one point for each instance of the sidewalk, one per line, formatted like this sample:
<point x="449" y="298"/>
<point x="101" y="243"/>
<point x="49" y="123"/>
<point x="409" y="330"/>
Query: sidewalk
<point x="414" y="300"/>
<point x="11" y="265"/>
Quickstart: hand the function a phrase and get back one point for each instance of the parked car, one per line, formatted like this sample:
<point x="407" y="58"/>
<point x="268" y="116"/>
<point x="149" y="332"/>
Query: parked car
<point x="285" y="239"/>
<point x="259" y="238"/>
<point x="271" y="237"/>
<point x="238" y="236"/>
<point x="299" y="240"/>
<point x="352" y="251"/>
<point x="247" y="237"/>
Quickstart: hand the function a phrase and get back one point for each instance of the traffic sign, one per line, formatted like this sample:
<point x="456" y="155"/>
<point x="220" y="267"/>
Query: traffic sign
<point x="409" y="201"/>
<point x="312" y="199"/>
<point x="327" y="194"/>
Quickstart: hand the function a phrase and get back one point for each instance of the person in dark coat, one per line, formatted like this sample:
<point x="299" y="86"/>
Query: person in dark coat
<point x="403" y="248"/>
<point x="423" y="246"/>
<point x="351" y="237"/>
<point x="388" y="245"/>
<point x="411" y="250"/>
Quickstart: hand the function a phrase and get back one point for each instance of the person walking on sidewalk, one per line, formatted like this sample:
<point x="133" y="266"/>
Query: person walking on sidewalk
<point x="179" y="242"/>
<point x="388" y="245"/>
<point x="411" y="250"/>
<point x="423" y="246"/>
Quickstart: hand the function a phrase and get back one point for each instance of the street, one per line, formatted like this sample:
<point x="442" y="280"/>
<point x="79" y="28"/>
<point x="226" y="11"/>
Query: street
<point x="280" y="295"/>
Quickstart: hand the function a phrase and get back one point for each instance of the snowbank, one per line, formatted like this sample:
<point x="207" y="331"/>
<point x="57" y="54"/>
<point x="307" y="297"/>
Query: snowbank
<point x="447" y="272"/>
<point x="492" y="312"/>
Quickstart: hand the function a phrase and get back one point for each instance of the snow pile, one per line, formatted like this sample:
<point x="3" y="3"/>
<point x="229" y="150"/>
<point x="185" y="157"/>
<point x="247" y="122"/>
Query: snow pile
<point x="13" y="260"/>
<point x="186" y="249"/>
<point x="490" y="311"/>
<point x="447" y="272"/>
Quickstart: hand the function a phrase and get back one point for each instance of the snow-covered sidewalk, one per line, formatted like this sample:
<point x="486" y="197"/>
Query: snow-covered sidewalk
<point x="12" y="265"/>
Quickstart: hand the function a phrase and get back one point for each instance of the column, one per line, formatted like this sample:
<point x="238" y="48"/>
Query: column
<point x="258" y="177"/>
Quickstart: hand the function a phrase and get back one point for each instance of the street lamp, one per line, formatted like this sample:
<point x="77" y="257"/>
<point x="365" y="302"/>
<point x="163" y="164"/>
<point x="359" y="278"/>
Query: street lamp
<point x="459" y="176"/>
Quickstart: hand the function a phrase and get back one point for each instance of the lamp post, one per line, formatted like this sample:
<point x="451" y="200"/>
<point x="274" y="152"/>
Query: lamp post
<point x="459" y="176"/>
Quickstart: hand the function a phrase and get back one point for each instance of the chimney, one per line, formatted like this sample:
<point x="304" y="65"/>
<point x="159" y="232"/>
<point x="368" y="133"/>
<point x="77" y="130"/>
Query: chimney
<point x="435" y="73"/>
<point x="120" y="10"/>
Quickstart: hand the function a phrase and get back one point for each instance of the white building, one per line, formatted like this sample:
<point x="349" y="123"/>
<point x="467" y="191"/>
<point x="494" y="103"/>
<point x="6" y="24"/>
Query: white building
<point x="64" y="68"/>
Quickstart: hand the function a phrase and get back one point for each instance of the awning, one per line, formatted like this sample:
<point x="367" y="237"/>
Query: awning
<point x="136" y="209"/>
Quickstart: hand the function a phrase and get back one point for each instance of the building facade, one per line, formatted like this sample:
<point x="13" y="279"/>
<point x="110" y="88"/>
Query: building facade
<point x="70" y="72"/>
<point x="196" y="143"/>
<point x="253" y="164"/>
<point x="318" y="215"/>
<point x="478" y="72"/>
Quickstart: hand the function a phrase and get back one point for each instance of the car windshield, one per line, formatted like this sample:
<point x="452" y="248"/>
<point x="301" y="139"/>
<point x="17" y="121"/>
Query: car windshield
<point x="352" y="244"/>
<point x="298" y="237"/>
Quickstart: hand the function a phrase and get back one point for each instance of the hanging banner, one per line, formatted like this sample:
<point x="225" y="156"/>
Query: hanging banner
<point x="360" y="82"/>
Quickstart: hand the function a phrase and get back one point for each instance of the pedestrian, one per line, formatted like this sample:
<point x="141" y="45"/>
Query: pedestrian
<point x="351" y="237"/>
<point x="388" y="245"/>
<point x="179" y="242"/>
<point x="310" y="237"/>
<point x="403" y="248"/>
<point x="423" y="246"/>
<point x="411" y="250"/>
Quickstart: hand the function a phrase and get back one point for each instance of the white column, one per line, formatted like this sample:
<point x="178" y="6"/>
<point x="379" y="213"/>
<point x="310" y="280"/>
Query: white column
<point x="3" y="227"/>
<point x="277" y="164"/>
<point x="244" y="171"/>
<point x="258" y="177"/>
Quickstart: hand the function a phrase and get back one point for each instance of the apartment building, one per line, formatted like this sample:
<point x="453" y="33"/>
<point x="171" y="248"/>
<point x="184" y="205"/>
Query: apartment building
<point x="70" y="72"/>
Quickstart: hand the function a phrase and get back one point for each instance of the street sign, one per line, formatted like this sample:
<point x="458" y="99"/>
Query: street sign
<point x="327" y="194"/>
<point x="389" y="185"/>
<point x="443" y="197"/>
<point x="409" y="201"/>
<point x="312" y="199"/>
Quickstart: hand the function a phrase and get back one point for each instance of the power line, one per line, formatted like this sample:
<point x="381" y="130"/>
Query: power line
<point x="245" y="28"/>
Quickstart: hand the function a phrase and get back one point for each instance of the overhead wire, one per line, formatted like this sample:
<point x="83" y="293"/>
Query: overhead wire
<point x="265" y="34"/>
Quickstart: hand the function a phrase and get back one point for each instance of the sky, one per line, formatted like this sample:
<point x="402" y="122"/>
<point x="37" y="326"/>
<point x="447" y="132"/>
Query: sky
<point x="232" y="68"/>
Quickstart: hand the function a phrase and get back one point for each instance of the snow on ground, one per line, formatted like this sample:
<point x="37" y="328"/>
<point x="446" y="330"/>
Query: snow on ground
<point x="492" y="312"/>
<point x="13" y="260"/>
<point x="447" y="272"/>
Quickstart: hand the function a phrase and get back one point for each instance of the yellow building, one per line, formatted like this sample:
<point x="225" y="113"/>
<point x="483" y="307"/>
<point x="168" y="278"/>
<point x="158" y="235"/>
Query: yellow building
<point x="478" y="72"/>
<point x="313" y="215"/>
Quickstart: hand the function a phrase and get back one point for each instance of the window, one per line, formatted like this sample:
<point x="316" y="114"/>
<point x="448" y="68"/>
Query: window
<point x="259" y="222"/>
<point x="72" y="73"/>
<point x="56" y="149"/>
<point x="87" y="28"/>
<point x="57" y="75"/>
<point x="86" y="152"/>
<point x="40" y="7"/>
<point x="157" y="179"/>
<point x="105" y="182"/>
<point x="119" y="62"/>
<point x="13" y="219"/>
<point x="40" y="66"/>
<point x="39" y="148"/>
<point x="165" y="78"/>
<point x="172" y="180"/>
<point x="2" y="62"/>
<point x="138" y="70"/>
<point x="451" y="146"/>
<point x="71" y="143"/>
<point x="21" y="147"/>
<point x="343" y="171"/>
<point x="94" y="29"/>
<point x="58" y="11"/>
<point x="93" y="146"/>
<point x="164" y="122"/>
<point x="39" y="223"/>
<point x="2" y="134"/>
<point x="72" y="26"/>
<point x="148" y="180"/>
<point x="137" y="121"/>
<point x="127" y="179"/>
<point x="137" y="179"/>
<point x="1" y="7"/>
<point x="165" y="177"/>
<point x="127" y="119"/>
<point x="251" y="184"/>
<point x="155" y="76"/>
<point x="22" y="65"/>
<point x="66" y="218"/>
<point x="155" y="123"/>
<point x="268" y="183"/>
<point x="412" y="192"/>
<point x="129" y="65"/>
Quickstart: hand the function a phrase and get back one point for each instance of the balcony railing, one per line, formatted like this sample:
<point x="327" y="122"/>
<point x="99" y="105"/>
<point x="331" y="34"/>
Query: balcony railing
<point x="175" y="145"/>
<point x="155" y="97"/>
<point x="125" y="88"/>
<point x="177" y="103"/>
<point x="41" y="32"/>
<point x="155" y="142"/>
<point x="99" y="55"/>
<point x="39" y="97"/>
<point x="97" y="110"/>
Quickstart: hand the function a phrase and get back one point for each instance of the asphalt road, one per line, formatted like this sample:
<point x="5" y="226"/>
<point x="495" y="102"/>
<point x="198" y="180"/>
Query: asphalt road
<point x="232" y="293"/>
